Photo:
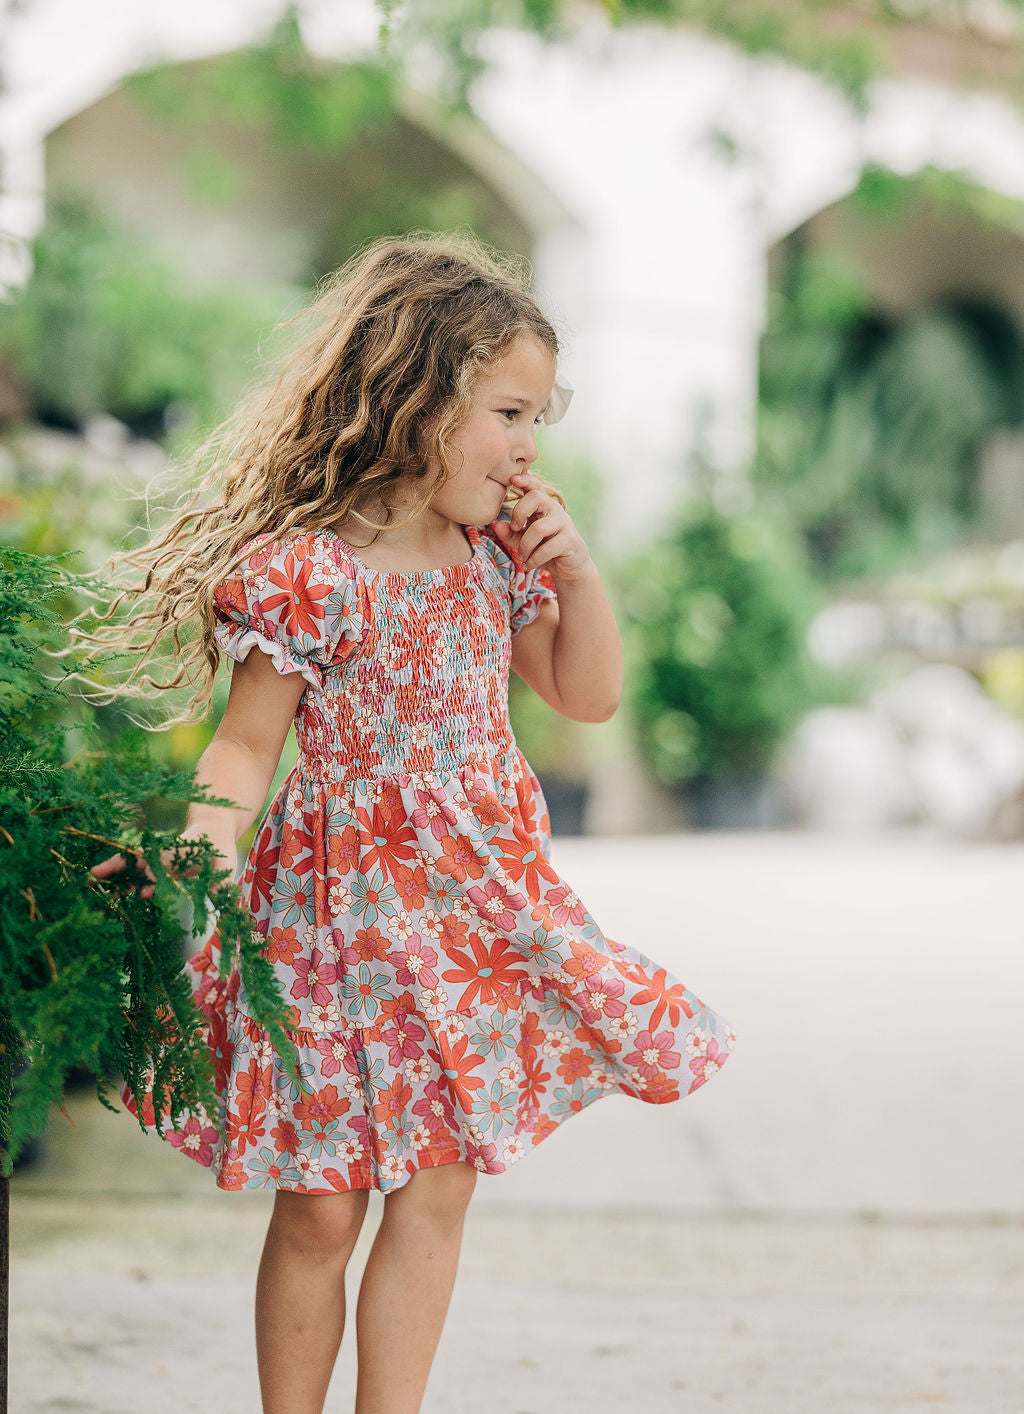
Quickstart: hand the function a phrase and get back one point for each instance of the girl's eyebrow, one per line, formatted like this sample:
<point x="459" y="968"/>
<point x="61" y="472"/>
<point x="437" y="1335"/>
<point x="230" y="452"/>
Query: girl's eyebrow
<point x="523" y="402"/>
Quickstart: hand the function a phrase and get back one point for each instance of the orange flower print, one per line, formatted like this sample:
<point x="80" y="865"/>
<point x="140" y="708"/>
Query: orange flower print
<point x="296" y="849"/>
<point x="282" y="945"/>
<point x="668" y="997"/>
<point x="320" y="1106"/>
<point x="411" y="887"/>
<point x="260" y="876"/>
<point x="662" y="1088"/>
<point x="368" y="945"/>
<point x="545" y="1125"/>
<point x="232" y="1175"/>
<point x="489" y="972"/>
<point x="458" y="1067"/>
<point x="245" y="1127"/>
<point x="343" y="850"/>
<point x="298" y="605"/>
<point x="459" y="859"/>
<point x="450" y="932"/>
<point x="585" y="960"/>
<point x="526" y="808"/>
<point x="523" y="861"/>
<point x="575" y="1065"/>
<point x="535" y="1077"/>
<point x="388" y="842"/>
<point x="286" y="1137"/>
<point x="392" y="1101"/>
<point x="487" y="808"/>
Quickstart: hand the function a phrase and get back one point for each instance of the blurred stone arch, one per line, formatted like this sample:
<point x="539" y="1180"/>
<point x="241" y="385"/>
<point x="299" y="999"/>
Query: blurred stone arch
<point x="891" y="399"/>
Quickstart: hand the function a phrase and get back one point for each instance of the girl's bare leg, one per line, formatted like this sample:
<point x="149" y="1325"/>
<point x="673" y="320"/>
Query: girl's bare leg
<point x="406" y="1287"/>
<point x="300" y="1296"/>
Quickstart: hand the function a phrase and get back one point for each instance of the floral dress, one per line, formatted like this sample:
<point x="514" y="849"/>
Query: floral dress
<point x="452" y="999"/>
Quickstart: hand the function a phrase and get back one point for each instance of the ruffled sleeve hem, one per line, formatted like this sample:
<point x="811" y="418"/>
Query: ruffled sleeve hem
<point x="529" y="589"/>
<point x="239" y="645"/>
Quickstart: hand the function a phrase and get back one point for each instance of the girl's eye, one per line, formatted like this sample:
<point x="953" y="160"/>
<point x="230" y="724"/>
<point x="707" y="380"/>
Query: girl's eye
<point x="513" y="412"/>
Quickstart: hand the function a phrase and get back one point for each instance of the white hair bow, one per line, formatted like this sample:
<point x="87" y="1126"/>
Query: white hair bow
<point x="561" y="396"/>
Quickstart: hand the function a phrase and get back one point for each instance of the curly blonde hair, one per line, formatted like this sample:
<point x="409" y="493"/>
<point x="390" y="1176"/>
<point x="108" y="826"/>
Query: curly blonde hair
<point x="398" y="337"/>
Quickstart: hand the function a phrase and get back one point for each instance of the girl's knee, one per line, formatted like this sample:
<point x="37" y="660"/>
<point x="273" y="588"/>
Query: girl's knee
<point x="441" y="1194"/>
<point x="321" y="1225"/>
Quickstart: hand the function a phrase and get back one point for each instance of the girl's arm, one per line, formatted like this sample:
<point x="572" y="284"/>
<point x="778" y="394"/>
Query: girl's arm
<point x="240" y="761"/>
<point x="571" y="655"/>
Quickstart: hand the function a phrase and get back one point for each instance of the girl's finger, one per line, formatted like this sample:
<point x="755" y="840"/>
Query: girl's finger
<point x="524" y="508"/>
<point x="115" y="863"/>
<point x="547" y="526"/>
<point x="106" y="867"/>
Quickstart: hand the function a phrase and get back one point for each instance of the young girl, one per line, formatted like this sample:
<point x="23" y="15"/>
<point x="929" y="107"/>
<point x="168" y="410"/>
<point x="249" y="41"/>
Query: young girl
<point x="454" y="1001"/>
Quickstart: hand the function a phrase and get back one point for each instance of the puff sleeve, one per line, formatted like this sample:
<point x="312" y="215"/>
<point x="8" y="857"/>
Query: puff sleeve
<point x="527" y="589"/>
<point x="298" y="600"/>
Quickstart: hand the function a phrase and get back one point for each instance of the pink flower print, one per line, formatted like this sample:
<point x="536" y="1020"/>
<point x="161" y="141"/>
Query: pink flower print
<point x="401" y="1037"/>
<point x="195" y="1139"/>
<point x="484" y="1157"/>
<point x="313" y="976"/>
<point x="333" y="1052"/>
<point x="415" y="966"/>
<point x="708" y="1064"/>
<point x="495" y="903"/>
<point x="601" y="996"/>
<point x="565" y="905"/>
<point x="434" y="813"/>
<point x="435" y="1109"/>
<point x="654" y="1053"/>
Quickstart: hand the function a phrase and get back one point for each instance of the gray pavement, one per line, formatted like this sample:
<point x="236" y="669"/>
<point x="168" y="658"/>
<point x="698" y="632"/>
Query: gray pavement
<point x="835" y="1222"/>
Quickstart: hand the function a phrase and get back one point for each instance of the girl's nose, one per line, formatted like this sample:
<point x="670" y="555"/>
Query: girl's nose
<point x="527" y="451"/>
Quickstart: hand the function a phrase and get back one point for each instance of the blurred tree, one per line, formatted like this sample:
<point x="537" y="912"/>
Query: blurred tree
<point x="718" y="608"/>
<point x="105" y="325"/>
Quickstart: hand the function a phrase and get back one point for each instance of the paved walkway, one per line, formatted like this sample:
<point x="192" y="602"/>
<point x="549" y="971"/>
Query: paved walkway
<point x="834" y="1223"/>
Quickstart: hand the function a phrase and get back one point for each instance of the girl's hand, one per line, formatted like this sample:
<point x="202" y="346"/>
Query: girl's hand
<point x="226" y="857"/>
<point x="542" y="532"/>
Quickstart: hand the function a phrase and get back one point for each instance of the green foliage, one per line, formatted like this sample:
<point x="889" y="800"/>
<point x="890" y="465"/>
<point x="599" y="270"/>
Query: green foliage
<point x="887" y="196"/>
<point x="717" y="610"/>
<point x="277" y="88"/>
<point x="104" y="324"/>
<point x="91" y="973"/>
<point x="871" y="423"/>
